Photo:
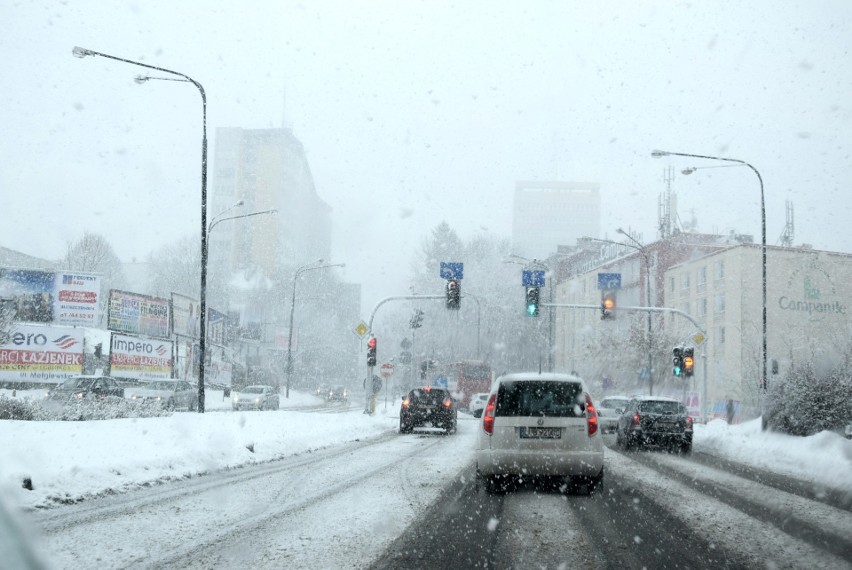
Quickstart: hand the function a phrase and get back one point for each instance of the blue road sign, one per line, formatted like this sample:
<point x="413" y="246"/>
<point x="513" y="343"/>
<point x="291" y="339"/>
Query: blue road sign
<point x="532" y="278"/>
<point x="452" y="270"/>
<point x="609" y="281"/>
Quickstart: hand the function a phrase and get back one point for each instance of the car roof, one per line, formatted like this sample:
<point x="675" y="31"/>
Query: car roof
<point x="257" y="386"/>
<point x="538" y="376"/>
<point x="654" y="399"/>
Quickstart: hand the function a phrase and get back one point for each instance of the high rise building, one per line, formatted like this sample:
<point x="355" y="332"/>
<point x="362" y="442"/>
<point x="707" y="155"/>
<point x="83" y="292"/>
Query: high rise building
<point x="547" y="214"/>
<point x="266" y="169"/>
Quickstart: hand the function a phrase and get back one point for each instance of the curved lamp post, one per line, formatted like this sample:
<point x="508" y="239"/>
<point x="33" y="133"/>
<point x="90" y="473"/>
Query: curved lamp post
<point x="83" y="52"/>
<point x="661" y="153"/>
<point x="299" y="271"/>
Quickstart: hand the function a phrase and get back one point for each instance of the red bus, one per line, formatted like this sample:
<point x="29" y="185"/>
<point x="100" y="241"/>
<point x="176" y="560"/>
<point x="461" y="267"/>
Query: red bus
<point x="468" y="377"/>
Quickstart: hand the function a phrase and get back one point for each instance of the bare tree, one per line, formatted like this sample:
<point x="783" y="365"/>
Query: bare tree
<point x="176" y="268"/>
<point x="92" y="253"/>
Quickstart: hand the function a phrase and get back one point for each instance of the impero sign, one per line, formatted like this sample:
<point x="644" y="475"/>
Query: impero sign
<point x="40" y="353"/>
<point x="141" y="358"/>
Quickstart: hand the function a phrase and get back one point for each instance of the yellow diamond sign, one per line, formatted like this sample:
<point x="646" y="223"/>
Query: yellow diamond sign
<point x="699" y="338"/>
<point x="361" y="329"/>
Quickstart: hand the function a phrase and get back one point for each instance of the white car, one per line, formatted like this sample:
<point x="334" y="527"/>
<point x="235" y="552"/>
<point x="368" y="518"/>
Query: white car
<point x="609" y="410"/>
<point x="477" y="404"/>
<point x="170" y="394"/>
<point x="256" y="398"/>
<point x="540" y="425"/>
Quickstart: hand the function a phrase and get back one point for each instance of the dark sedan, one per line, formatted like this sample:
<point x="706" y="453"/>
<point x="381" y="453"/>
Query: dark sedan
<point x="657" y="421"/>
<point x="79" y="387"/>
<point x="428" y="407"/>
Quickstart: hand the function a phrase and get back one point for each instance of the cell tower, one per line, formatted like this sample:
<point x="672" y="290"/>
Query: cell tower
<point x="667" y="207"/>
<point x="786" y="238"/>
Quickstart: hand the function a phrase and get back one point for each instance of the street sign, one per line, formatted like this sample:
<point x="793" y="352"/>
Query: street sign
<point x="361" y="329"/>
<point x="405" y="344"/>
<point x="386" y="370"/>
<point x="405" y="357"/>
<point x="698" y="338"/>
<point x="609" y="281"/>
<point x="532" y="278"/>
<point x="452" y="270"/>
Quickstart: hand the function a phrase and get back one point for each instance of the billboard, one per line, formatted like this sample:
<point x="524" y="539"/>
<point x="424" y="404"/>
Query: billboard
<point x="57" y="297"/>
<point x="217" y="325"/>
<point x="41" y="353"/>
<point x="140" y="358"/>
<point x="138" y="314"/>
<point x="186" y="314"/>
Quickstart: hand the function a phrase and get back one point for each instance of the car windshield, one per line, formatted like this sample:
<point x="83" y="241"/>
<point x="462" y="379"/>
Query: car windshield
<point x="77" y="383"/>
<point x="660" y="407"/>
<point x="613" y="403"/>
<point x="269" y="225"/>
<point x="540" y="398"/>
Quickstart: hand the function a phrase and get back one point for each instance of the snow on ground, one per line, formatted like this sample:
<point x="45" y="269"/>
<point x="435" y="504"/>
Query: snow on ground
<point x="72" y="460"/>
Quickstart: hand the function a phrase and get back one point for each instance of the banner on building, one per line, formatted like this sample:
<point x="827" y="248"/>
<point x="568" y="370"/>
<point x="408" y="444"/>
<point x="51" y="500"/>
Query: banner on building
<point x="138" y="314"/>
<point x="218" y="368"/>
<point x="52" y="297"/>
<point x="41" y="353"/>
<point x="217" y="326"/>
<point x="141" y="358"/>
<point x="186" y="315"/>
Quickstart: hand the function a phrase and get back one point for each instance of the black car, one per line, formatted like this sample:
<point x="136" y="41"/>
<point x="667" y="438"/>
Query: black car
<point x="428" y="407"/>
<point x="657" y="421"/>
<point x="79" y="387"/>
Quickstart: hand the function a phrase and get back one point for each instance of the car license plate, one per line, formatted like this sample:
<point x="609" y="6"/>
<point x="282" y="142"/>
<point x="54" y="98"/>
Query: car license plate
<point x="540" y="433"/>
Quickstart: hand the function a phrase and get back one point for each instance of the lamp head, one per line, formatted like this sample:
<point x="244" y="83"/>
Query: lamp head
<point x="81" y="52"/>
<point x="140" y="79"/>
<point x="659" y="153"/>
<point x="620" y="231"/>
<point x="688" y="171"/>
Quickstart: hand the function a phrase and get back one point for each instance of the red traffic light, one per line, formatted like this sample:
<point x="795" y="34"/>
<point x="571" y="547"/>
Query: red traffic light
<point x="371" y="343"/>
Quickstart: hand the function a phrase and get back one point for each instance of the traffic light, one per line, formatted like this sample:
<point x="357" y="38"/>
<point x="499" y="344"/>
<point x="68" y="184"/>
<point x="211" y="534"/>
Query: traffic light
<point x="677" y="361"/>
<point x="688" y="361"/>
<point x="453" y="294"/>
<point x="607" y="305"/>
<point x="533" y="296"/>
<point x="371" y="351"/>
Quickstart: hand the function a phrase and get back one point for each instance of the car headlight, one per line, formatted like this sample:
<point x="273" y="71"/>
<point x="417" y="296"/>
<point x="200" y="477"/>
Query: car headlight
<point x="79" y="395"/>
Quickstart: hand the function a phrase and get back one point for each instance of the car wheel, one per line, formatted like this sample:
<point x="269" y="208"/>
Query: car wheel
<point x="192" y="406"/>
<point x="596" y="483"/>
<point x="493" y="485"/>
<point x="405" y="427"/>
<point x="261" y="406"/>
<point x="686" y="448"/>
<point x="170" y="405"/>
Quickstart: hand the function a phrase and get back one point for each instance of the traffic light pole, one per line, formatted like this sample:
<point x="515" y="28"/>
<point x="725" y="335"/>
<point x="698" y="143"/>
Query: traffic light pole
<point x="369" y="382"/>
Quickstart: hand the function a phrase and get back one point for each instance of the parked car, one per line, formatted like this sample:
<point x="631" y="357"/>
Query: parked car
<point x="540" y="426"/>
<point x="80" y="387"/>
<point x="337" y="393"/>
<point x="477" y="404"/>
<point x="170" y="394"/>
<point x="428" y="407"/>
<point x="609" y="410"/>
<point x="256" y="398"/>
<point x="321" y="390"/>
<point x="657" y="421"/>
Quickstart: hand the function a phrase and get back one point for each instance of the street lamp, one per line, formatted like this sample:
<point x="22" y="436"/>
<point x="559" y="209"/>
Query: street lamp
<point x="299" y="271"/>
<point x="83" y="52"/>
<point x="661" y="153"/>
<point x="641" y="249"/>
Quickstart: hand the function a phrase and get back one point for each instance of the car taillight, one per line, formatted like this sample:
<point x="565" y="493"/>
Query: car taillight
<point x="406" y="402"/>
<point x="591" y="417"/>
<point x="488" y="414"/>
<point x="636" y="419"/>
<point x="689" y="421"/>
<point x="448" y="403"/>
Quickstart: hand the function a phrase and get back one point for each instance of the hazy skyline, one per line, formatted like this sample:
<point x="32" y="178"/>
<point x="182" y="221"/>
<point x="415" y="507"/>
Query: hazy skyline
<point x="417" y="112"/>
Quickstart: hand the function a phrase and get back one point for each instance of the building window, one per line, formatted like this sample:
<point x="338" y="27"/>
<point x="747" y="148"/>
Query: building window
<point x="720" y="270"/>
<point x="684" y="283"/>
<point x="701" y="279"/>
<point x="720" y="303"/>
<point x="701" y="307"/>
<point x="671" y="284"/>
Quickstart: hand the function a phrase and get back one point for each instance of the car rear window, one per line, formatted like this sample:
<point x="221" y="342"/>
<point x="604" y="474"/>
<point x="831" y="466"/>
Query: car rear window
<point x="540" y="398"/>
<point x="429" y="397"/>
<point x="658" y="407"/>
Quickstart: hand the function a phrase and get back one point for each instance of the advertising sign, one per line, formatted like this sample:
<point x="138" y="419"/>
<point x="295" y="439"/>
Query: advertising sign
<point x="141" y="358"/>
<point x="186" y="316"/>
<point x="40" y="353"/>
<point x="138" y="314"/>
<point x="216" y="325"/>
<point x="219" y="370"/>
<point x="62" y="298"/>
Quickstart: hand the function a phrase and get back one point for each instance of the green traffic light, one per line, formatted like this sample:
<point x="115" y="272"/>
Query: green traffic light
<point x="676" y="370"/>
<point x="532" y="310"/>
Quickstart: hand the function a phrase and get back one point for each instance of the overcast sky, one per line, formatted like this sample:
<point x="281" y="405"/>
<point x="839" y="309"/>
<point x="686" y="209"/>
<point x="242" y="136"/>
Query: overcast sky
<point x="416" y="112"/>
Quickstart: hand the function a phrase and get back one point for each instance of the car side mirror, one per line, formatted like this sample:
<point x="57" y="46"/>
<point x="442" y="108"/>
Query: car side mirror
<point x="619" y="411"/>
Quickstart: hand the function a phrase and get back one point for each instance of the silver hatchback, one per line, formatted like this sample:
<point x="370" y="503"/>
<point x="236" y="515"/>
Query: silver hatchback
<point x="539" y="425"/>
